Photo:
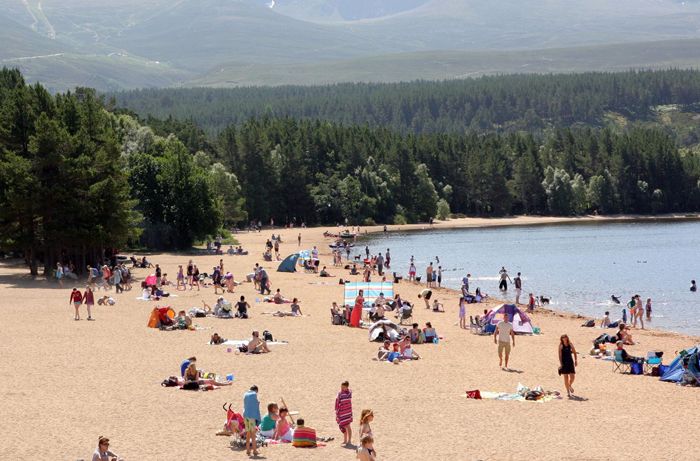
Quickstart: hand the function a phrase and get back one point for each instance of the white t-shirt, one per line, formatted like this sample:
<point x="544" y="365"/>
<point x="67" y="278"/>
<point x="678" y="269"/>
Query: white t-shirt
<point x="504" y="329"/>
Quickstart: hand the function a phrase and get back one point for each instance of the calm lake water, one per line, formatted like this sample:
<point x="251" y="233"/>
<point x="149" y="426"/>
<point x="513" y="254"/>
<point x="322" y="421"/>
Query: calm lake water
<point x="577" y="265"/>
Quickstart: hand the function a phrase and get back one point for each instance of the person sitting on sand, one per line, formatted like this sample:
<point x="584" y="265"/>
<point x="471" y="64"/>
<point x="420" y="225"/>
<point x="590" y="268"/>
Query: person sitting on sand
<point x="415" y="334"/>
<point x="625" y="356"/>
<point x="257" y="345"/>
<point x="409" y="354"/>
<point x="283" y="430"/>
<point x="106" y="301"/>
<point x="216" y="339"/>
<point x="438" y="307"/>
<point x="383" y="350"/>
<point x="296" y="310"/>
<point x="278" y="298"/>
<point x="377" y="312"/>
<point x="429" y="333"/>
<point x="353" y="270"/>
<point x="102" y="452"/>
<point x="230" y="251"/>
<point x="183" y="321"/>
<point x="269" y="421"/>
<point x="223" y="308"/>
<point x="605" y="323"/>
<point x="627" y="336"/>
<point x="324" y="273"/>
<point x="242" y="307"/>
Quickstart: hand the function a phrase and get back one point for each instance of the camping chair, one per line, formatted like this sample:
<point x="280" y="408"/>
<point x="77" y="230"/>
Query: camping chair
<point x="405" y="314"/>
<point x="337" y="319"/>
<point x="619" y="364"/>
<point x="397" y="278"/>
<point x="651" y="361"/>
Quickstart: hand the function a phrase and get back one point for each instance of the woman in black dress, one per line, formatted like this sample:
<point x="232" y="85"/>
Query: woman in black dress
<point x="568" y="361"/>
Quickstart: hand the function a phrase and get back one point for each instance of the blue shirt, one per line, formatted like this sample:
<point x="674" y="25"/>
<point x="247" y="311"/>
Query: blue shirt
<point x="251" y="406"/>
<point x="183" y="367"/>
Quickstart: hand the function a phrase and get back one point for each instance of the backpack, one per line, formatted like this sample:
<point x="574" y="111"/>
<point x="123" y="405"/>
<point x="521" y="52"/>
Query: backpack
<point x="267" y="336"/>
<point x="590" y="323"/>
<point x="170" y="382"/>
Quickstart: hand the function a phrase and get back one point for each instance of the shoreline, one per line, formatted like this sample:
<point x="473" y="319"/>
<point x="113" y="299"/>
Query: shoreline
<point x="527" y="221"/>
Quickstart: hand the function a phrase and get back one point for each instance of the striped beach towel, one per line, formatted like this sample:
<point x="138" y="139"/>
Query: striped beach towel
<point x="343" y="409"/>
<point x="304" y="437"/>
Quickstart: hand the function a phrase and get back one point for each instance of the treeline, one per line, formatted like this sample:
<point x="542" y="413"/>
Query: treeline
<point x="501" y="103"/>
<point x="325" y="172"/>
<point x="80" y="182"/>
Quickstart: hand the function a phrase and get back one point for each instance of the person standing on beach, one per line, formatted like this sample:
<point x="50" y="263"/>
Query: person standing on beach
<point x="77" y="299"/>
<point x="429" y="275"/>
<point x="462" y="312"/>
<point x="638" y="311"/>
<point x="89" y="300"/>
<point x="648" y="309"/>
<point x="568" y="361"/>
<point x="356" y="314"/>
<point x="251" y="417"/>
<point x="299" y="239"/>
<point x="380" y="264"/>
<point x="412" y="272"/>
<point x="426" y="294"/>
<point x="343" y="412"/>
<point x="518" y="282"/>
<point x="503" y="284"/>
<point x="502" y="337"/>
<point x="387" y="259"/>
<point x="264" y="282"/>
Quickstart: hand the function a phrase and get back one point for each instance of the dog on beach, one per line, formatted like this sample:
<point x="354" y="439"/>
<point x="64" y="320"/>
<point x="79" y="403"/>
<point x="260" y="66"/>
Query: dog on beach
<point x="543" y="300"/>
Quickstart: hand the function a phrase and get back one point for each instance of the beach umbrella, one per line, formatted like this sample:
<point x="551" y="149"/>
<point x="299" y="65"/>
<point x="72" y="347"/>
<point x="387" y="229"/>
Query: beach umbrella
<point x="379" y="326"/>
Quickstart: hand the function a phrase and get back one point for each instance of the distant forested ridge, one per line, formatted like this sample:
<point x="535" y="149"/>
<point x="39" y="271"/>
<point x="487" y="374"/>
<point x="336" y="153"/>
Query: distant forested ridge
<point x="503" y="103"/>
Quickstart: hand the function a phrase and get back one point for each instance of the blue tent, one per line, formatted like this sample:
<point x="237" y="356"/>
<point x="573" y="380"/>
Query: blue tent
<point x="675" y="370"/>
<point x="289" y="264"/>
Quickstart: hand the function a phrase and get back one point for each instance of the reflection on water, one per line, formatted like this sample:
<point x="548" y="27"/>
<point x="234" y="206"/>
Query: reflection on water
<point x="577" y="266"/>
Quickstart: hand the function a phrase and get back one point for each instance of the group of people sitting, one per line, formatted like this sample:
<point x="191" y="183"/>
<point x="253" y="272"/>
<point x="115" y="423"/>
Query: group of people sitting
<point x="623" y="335"/>
<point x="399" y="346"/>
<point x="224" y="310"/>
<point x="237" y="251"/>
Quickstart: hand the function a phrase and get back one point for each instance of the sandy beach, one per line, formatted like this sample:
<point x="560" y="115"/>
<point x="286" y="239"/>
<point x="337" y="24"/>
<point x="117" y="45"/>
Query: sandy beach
<point x="68" y="382"/>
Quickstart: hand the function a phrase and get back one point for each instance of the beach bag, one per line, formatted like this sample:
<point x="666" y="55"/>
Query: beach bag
<point x="655" y="371"/>
<point x="243" y="348"/>
<point x="267" y="336"/>
<point x="170" y="382"/>
<point x="589" y="324"/>
<point x="636" y="368"/>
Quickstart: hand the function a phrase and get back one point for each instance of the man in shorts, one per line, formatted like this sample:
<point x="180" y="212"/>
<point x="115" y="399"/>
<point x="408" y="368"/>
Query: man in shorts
<point x="425" y="294"/>
<point x="503" y="336"/>
<point x="251" y="416"/>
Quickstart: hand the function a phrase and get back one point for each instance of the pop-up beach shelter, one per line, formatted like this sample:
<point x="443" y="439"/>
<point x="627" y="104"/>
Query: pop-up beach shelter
<point x="289" y="264"/>
<point x="521" y="322"/>
<point x="371" y="291"/>
<point x="676" y="370"/>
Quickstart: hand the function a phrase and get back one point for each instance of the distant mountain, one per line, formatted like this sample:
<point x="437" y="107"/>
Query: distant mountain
<point x="124" y="43"/>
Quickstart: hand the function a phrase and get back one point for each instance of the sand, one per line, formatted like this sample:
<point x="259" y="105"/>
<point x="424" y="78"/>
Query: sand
<point x="66" y="382"/>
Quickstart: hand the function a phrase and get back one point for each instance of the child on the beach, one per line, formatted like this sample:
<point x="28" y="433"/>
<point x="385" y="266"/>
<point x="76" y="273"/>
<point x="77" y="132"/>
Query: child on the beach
<point x="462" y="313"/>
<point x="343" y="411"/>
<point x="366" y="417"/>
<point x="366" y="451"/>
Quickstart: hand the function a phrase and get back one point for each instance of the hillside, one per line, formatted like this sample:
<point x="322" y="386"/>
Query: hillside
<point x="242" y="42"/>
<point x="445" y="65"/>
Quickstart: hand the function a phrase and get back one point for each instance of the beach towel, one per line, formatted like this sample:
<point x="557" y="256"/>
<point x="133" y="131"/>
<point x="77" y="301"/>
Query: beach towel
<point x="343" y="409"/>
<point x="304" y="437"/>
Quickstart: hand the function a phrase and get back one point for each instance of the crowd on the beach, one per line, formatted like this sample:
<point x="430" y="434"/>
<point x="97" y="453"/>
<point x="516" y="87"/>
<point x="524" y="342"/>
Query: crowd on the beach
<point x="384" y="318"/>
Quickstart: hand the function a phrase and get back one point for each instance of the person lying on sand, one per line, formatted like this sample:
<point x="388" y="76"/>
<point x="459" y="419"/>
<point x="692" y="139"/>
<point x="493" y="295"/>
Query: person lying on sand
<point x="216" y="339"/>
<point x="257" y="345"/>
<point x="194" y="375"/>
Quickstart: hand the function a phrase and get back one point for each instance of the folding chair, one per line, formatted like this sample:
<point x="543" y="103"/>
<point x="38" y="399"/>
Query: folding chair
<point x="619" y="364"/>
